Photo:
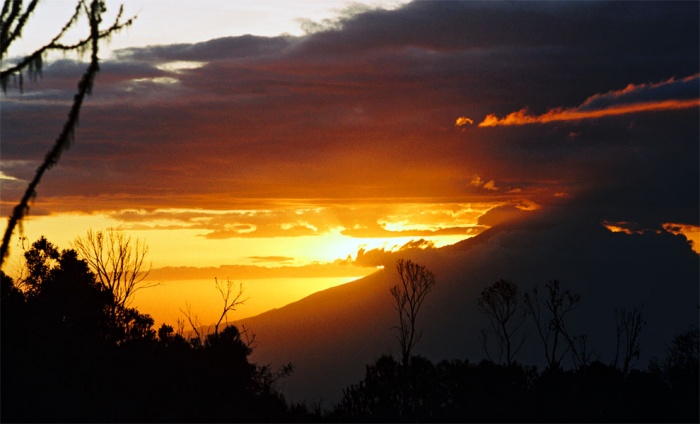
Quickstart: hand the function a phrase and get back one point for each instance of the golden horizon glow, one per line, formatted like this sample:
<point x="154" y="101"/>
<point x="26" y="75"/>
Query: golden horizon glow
<point x="185" y="237"/>
<point x="165" y="301"/>
<point x="284" y="236"/>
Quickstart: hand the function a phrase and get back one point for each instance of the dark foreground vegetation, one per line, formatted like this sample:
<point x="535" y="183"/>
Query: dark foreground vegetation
<point x="459" y="391"/>
<point x="72" y="353"/>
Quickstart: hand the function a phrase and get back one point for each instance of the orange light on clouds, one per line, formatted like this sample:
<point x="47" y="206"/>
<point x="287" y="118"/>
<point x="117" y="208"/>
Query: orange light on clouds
<point x="462" y="121"/>
<point x="631" y="99"/>
<point x="177" y="238"/>
<point x="522" y="117"/>
<point x="299" y="233"/>
<point x="690" y="232"/>
<point x="620" y="227"/>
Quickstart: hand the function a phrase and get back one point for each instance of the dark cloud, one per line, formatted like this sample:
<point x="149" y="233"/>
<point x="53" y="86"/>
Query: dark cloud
<point x="500" y="215"/>
<point x="366" y="109"/>
<point x="674" y="89"/>
<point x="246" y="46"/>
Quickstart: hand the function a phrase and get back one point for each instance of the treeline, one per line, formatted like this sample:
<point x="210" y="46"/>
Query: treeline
<point x="73" y="350"/>
<point x="462" y="391"/>
<point x="415" y="389"/>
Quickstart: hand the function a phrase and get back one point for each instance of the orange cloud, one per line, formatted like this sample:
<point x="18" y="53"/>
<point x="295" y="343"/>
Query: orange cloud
<point x="521" y="117"/>
<point x="490" y="185"/>
<point x="667" y="95"/>
<point x="690" y="232"/>
<point x="462" y="121"/>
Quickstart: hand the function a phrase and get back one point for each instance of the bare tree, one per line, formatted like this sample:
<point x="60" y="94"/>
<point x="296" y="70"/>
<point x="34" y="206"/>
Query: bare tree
<point x="549" y="315"/>
<point x="232" y="299"/>
<point x="628" y="325"/>
<point x="580" y="349"/>
<point x="503" y="306"/>
<point x="194" y="322"/>
<point x="416" y="283"/>
<point x="13" y="18"/>
<point x="117" y="261"/>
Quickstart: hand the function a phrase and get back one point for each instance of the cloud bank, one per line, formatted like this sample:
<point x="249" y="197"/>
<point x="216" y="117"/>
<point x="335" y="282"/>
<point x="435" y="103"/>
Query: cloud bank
<point x="363" y="112"/>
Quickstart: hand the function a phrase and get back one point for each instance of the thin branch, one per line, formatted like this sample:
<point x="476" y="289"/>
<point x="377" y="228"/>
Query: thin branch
<point x="17" y="31"/>
<point x="193" y="320"/>
<point x="67" y="134"/>
<point x="229" y="304"/>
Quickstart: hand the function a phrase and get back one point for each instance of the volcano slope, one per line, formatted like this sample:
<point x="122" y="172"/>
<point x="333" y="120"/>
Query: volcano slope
<point x="331" y="335"/>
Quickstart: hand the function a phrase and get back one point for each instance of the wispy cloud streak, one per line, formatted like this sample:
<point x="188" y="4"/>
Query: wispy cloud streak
<point x="667" y="95"/>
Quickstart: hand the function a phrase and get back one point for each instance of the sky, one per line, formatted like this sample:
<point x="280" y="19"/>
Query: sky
<point x="265" y="135"/>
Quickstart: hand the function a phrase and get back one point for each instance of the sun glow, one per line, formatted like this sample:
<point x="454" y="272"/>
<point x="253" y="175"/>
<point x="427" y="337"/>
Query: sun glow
<point x="283" y="236"/>
<point x="165" y="301"/>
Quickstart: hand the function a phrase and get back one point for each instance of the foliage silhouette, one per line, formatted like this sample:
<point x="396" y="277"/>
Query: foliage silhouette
<point x="67" y="356"/>
<point x="460" y="391"/>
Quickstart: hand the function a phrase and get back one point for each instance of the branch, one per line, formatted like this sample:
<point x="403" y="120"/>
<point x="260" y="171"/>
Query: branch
<point x="229" y="306"/>
<point x="51" y="159"/>
<point x="192" y="320"/>
<point x="67" y="134"/>
<point x="6" y="38"/>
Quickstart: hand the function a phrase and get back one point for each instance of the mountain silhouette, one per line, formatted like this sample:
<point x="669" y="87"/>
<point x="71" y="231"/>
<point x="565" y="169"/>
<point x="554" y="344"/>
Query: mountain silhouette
<point x="331" y="335"/>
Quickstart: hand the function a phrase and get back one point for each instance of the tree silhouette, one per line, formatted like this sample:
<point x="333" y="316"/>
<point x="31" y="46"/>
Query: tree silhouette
<point x="117" y="261"/>
<point x="503" y="306"/>
<point x="39" y="259"/>
<point x="231" y="301"/>
<point x="549" y="315"/>
<point x="67" y="357"/>
<point x="628" y="326"/>
<point x="416" y="283"/>
<point x="681" y="371"/>
<point x="13" y="18"/>
<point x="393" y="392"/>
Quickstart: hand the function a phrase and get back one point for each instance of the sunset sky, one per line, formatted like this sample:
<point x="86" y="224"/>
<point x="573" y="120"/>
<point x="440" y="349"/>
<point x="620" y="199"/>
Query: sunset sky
<point x="286" y="134"/>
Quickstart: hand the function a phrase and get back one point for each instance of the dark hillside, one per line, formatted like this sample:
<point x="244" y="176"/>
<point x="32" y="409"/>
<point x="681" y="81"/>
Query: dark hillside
<point x="330" y="336"/>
